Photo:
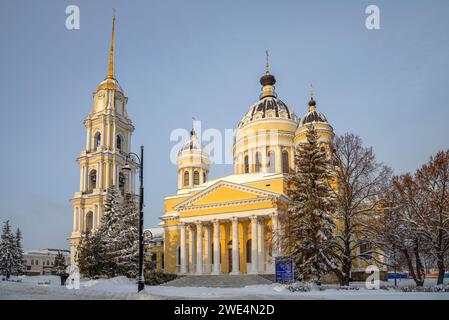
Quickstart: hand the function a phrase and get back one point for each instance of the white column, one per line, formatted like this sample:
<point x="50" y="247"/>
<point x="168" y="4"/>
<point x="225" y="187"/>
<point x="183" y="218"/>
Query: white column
<point x="103" y="135"/>
<point x="183" y="248"/>
<point x="261" y="244"/>
<point x="133" y="182"/>
<point x="114" y="134"/>
<point x="251" y="160"/>
<point x="81" y="219"/>
<point x="191" y="249"/>
<point x="264" y="159"/>
<point x="199" y="248"/>
<point x="108" y="174"/>
<point x="88" y="136"/>
<point x="207" y="251"/>
<point x="191" y="177"/>
<point x="278" y="168"/>
<point x="276" y="239"/>
<point x="216" y="247"/>
<point x="81" y="178"/>
<point x="114" y="174"/>
<point x="100" y="175"/>
<point x="254" y="247"/>
<point x="85" y="179"/>
<point x="235" y="246"/>
<point x="75" y="219"/>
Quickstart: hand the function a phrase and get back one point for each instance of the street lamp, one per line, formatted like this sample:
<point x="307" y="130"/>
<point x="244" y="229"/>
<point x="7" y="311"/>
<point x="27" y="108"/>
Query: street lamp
<point x="131" y="157"/>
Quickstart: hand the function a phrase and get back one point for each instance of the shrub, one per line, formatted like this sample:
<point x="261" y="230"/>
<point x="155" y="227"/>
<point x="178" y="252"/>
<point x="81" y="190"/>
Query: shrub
<point x="155" y="278"/>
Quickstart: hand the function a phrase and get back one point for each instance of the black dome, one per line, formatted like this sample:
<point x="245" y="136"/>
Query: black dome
<point x="312" y="116"/>
<point x="267" y="80"/>
<point x="267" y="104"/>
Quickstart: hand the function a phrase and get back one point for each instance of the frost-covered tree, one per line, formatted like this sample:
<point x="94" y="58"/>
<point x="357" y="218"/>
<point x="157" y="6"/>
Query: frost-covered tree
<point x="120" y="235"/>
<point x="8" y="252"/>
<point x="113" y="249"/>
<point x="310" y="224"/>
<point x="433" y="224"/>
<point x="360" y="182"/>
<point x="91" y="255"/>
<point x="403" y="245"/>
<point x="20" y="265"/>
<point x="59" y="265"/>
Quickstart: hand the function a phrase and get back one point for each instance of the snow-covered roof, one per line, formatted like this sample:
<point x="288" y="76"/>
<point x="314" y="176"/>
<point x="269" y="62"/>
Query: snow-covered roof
<point x="47" y="251"/>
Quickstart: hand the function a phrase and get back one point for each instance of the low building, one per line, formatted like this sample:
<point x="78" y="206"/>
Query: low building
<point x="155" y="247"/>
<point x="41" y="262"/>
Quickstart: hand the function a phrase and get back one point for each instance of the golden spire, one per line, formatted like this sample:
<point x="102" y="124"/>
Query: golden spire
<point x="312" y="92"/>
<point x="267" y="65"/>
<point x="111" y="52"/>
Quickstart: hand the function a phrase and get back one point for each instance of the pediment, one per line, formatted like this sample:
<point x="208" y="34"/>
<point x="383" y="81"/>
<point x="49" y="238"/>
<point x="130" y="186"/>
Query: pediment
<point x="224" y="192"/>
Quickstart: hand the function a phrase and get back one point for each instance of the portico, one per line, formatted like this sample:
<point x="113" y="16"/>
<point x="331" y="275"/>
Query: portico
<point x="211" y="255"/>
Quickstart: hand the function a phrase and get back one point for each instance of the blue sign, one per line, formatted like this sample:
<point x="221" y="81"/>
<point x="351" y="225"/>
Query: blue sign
<point x="284" y="270"/>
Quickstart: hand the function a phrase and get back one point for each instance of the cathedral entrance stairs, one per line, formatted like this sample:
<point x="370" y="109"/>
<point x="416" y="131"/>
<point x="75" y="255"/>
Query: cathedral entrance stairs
<point x="219" y="281"/>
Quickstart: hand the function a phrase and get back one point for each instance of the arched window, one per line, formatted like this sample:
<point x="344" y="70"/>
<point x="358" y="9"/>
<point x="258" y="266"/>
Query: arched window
<point x="246" y="164"/>
<point x="271" y="161"/>
<point x="196" y="178"/>
<point x="258" y="162"/>
<point x="92" y="180"/>
<point x="89" y="221"/>
<point x="285" y="165"/>
<point x="121" y="181"/>
<point x="204" y="177"/>
<point x="97" y="140"/>
<point x="119" y="143"/>
<point x="248" y="251"/>
<point x="186" y="178"/>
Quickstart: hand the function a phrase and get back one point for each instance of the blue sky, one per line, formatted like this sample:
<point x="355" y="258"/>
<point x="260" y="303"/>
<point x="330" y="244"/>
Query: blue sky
<point x="178" y="59"/>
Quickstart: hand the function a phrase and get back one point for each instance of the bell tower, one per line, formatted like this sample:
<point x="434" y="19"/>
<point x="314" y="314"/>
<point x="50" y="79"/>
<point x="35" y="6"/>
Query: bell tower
<point x="108" y="140"/>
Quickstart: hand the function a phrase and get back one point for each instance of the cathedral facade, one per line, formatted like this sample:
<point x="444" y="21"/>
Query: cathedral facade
<point x="231" y="225"/>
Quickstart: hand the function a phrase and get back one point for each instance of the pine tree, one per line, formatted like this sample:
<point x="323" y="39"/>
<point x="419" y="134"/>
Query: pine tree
<point x="91" y="255"/>
<point x="309" y="227"/>
<point x="121" y="235"/>
<point x="19" y="261"/>
<point x="59" y="266"/>
<point x="112" y="249"/>
<point x="7" y="251"/>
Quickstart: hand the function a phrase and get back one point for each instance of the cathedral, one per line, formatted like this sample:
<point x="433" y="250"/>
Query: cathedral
<point x="222" y="226"/>
<point x="230" y="225"/>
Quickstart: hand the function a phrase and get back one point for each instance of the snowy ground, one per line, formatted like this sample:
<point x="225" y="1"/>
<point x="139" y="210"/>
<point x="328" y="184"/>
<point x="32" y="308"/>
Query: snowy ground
<point x="123" y="288"/>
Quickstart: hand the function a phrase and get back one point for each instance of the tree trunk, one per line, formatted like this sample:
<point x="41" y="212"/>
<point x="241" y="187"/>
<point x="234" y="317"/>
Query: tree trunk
<point x="346" y="273"/>
<point x="419" y="266"/>
<point x="419" y="282"/>
<point x="441" y="270"/>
